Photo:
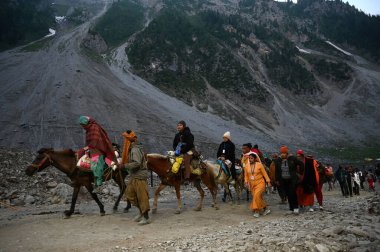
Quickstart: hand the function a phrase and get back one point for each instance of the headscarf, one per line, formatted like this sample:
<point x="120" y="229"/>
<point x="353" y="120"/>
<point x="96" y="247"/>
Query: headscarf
<point x="284" y="149"/>
<point x="227" y="135"/>
<point x="129" y="137"/>
<point x="96" y="137"/>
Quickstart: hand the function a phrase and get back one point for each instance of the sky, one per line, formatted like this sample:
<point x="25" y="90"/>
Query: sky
<point x="368" y="6"/>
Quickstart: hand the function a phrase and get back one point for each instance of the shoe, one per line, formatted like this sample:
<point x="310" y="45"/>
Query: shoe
<point x="311" y="209"/>
<point x="138" y="218"/>
<point x="321" y="208"/>
<point x="144" y="221"/>
<point x="256" y="215"/>
<point x="266" y="212"/>
<point x="296" y="211"/>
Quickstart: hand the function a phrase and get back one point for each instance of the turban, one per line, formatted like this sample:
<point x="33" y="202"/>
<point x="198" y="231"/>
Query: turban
<point x="284" y="149"/>
<point x="129" y="137"/>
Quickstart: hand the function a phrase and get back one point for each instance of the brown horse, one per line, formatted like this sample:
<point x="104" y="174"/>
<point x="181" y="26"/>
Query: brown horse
<point x="66" y="161"/>
<point x="222" y="179"/>
<point x="160" y="165"/>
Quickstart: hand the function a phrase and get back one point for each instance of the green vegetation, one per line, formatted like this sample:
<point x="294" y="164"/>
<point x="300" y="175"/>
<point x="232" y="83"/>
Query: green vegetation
<point x="38" y="45"/>
<point x="336" y="71"/>
<point x="122" y="20"/>
<point x="340" y="23"/>
<point x="22" y="21"/>
<point x="176" y="51"/>
<point x="353" y="154"/>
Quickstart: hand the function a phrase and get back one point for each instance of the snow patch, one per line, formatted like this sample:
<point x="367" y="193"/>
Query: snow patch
<point x="303" y="50"/>
<point x="59" y="19"/>
<point x="338" y="48"/>
<point x="51" y="33"/>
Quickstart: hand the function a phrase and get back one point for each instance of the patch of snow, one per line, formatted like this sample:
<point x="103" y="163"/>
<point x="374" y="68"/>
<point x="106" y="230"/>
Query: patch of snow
<point x="51" y="33"/>
<point x="60" y="19"/>
<point x="338" y="48"/>
<point x="302" y="50"/>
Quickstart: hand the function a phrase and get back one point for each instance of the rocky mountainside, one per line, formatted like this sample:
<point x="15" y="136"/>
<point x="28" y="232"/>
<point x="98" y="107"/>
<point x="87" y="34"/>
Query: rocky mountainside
<point x="261" y="69"/>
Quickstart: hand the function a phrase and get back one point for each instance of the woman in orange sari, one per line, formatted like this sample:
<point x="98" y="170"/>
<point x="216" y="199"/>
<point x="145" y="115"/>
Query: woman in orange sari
<point x="255" y="177"/>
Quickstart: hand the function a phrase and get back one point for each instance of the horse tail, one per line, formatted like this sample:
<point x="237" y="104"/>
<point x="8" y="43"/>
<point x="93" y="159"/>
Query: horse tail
<point x="212" y="176"/>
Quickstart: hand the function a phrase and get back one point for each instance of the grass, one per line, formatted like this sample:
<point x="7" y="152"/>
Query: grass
<point x="352" y="154"/>
<point x="36" y="46"/>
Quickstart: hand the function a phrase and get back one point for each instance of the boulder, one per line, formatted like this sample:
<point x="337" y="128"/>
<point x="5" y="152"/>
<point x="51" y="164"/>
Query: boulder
<point x="61" y="193"/>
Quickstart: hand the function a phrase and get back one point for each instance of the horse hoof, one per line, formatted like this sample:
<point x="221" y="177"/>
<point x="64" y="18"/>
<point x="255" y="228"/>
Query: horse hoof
<point x="102" y="213"/>
<point x="197" y="209"/>
<point x="114" y="210"/>
<point x="67" y="214"/>
<point x="177" y="211"/>
<point x="154" y="210"/>
<point x="216" y="208"/>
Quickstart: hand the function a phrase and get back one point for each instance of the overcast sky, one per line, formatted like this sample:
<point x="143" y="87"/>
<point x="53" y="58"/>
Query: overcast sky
<point x="368" y="6"/>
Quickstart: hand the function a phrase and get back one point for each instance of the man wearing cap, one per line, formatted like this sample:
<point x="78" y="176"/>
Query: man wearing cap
<point x="183" y="143"/>
<point x="227" y="151"/>
<point x="287" y="177"/>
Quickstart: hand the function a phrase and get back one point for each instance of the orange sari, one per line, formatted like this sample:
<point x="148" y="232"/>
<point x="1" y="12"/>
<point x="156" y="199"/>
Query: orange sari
<point x="254" y="175"/>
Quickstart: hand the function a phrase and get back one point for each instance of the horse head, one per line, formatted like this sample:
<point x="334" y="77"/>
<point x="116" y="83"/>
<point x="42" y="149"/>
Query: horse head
<point x="41" y="161"/>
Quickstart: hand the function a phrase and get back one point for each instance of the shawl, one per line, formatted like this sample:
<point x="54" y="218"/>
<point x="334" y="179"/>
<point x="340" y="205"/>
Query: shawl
<point x="97" y="138"/>
<point x="129" y="137"/>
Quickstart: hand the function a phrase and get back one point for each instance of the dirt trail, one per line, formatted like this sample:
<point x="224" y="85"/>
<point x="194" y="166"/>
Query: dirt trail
<point x="88" y="231"/>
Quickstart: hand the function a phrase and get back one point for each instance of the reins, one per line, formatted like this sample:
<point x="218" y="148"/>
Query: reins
<point x="38" y="166"/>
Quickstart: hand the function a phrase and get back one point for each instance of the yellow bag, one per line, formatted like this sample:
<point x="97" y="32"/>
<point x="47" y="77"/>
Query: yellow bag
<point x="177" y="164"/>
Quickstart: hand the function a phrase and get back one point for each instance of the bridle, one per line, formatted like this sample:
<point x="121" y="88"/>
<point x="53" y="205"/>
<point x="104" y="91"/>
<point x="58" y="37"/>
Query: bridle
<point x="38" y="166"/>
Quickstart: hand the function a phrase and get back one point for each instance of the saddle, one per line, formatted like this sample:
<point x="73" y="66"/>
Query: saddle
<point x="197" y="165"/>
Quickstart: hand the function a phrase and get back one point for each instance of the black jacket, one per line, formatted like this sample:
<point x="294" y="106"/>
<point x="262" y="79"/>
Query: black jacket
<point x="229" y="151"/>
<point x="293" y="162"/>
<point x="186" y="138"/>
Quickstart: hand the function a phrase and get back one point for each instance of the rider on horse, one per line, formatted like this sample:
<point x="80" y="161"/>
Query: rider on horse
<point x="226" y="152"/>
<point x="183" y="144"/>
<point x="99" y="144"/>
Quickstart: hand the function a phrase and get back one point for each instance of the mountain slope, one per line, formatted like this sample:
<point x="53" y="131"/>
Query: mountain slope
<point x="219" y="65"/>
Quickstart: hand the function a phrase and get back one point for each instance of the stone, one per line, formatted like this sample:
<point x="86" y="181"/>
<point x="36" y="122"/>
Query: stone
<point x="333" y="231"/>
<point x="29" y="199"/>
<point x="322" y="248"/>
<point x="52" y="184"/>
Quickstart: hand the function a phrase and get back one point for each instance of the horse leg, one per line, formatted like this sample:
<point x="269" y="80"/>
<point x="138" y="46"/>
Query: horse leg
<point x="68" y="213"/>
<point x="122" y="187"/>
<point x="126" y="209"/>
<point x="197" y="184"/>
<point x="90" y="189"/>
<point x="156" y="193"/>
<point x="178" y="193"/>
<point x="224" y="195"/>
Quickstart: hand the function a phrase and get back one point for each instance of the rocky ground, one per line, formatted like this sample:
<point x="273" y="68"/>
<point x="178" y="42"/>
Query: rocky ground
<point x="31" y="220"/>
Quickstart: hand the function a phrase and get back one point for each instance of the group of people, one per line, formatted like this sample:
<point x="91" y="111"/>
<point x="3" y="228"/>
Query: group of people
<point x="351" y="180"/>
<point x="297" y="178"/>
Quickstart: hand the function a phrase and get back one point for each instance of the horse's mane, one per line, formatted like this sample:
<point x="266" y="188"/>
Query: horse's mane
<point x="156" y="155"/>
<point x="43" y="150"/>
<point x="68" y="152"/>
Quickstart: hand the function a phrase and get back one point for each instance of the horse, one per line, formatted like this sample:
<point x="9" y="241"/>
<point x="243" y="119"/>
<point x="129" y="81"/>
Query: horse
<point x="66" y="161"/>
<point x="222" y="179"/>
<point x="160" y="164"/>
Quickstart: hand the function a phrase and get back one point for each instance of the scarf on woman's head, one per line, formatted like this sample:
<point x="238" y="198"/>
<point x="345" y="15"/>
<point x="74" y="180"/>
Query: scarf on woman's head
<point x="96" y="137"/>
<point x="129" y="138"/>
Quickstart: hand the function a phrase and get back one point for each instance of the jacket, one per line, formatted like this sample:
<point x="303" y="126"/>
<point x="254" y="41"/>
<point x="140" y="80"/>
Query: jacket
<point x="229" y="151"/>
<point x="293" y="162"/>
<point x="186" y="138"/>
<point x="136" y="165"/>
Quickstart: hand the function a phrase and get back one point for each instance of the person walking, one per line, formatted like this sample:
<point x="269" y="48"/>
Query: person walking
<point x="137" y="190"/>
<point x="287" y="178"/>
<point x="255" y="177"/>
